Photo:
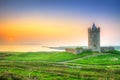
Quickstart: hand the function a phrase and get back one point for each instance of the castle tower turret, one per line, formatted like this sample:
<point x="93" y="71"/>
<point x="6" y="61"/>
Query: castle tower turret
<point x="94" y="38"/>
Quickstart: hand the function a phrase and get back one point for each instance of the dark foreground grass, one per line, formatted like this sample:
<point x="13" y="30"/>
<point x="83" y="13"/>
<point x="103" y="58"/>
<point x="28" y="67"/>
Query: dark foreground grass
<point x="48" y="71"/>
<point x="48" y="66"/>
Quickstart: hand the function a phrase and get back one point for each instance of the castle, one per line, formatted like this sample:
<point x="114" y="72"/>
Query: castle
<point x="94" y="38"/>
<point x="93" y="42"/>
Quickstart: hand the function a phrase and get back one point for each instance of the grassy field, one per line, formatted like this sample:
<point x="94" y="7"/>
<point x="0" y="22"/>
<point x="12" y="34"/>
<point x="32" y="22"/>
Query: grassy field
<point x="42" y="56"/>
<point x="59" y="66"/>
<point x="100" y="59"/>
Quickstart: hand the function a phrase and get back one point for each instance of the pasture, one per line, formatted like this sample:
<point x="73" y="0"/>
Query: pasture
<point x="59" y="66"/>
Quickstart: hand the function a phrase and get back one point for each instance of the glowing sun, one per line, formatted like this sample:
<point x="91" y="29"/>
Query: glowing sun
<point x="11" y="39"/>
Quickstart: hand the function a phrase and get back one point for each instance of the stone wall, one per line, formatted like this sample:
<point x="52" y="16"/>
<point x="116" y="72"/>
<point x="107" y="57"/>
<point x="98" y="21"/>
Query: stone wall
<point x="76" y="50"/>
<point x="79" y="50"/>
<point x="71" y="50"/>
<point x="105" y="49"/>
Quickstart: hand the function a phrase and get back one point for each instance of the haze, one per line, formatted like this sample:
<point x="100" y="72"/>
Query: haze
<point x="58" y="22"/>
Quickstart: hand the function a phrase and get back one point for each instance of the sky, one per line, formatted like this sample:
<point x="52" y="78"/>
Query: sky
<point x="58" y="22"/>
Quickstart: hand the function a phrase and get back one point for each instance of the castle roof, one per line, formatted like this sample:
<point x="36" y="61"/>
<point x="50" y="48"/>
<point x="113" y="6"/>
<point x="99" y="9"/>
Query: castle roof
<point x="94" y="27"/>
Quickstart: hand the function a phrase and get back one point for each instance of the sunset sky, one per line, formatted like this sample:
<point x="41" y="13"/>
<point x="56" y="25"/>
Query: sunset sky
<point x="58" y="22"/>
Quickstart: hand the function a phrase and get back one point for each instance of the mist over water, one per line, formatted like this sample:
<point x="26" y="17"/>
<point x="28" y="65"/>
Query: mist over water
<point x="25" y="48"/>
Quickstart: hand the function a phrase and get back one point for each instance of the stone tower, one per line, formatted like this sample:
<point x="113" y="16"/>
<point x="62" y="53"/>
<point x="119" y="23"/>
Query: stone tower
<point x="94" y="38"/>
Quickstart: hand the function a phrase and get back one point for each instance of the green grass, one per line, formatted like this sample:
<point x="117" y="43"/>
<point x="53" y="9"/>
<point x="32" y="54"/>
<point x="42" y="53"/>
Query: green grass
<point x="48" y="71"/>
<point x="43" y="56"/>
<point x="114" y="52"/>
<point x="48" y="66"/>
<point x="113" y="57"/>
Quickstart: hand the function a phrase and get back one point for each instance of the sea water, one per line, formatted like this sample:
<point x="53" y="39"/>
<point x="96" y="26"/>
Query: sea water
<point x="25" y="48"/>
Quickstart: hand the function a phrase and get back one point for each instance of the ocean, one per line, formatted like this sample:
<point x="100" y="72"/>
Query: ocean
<point x="25" y="48"/>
